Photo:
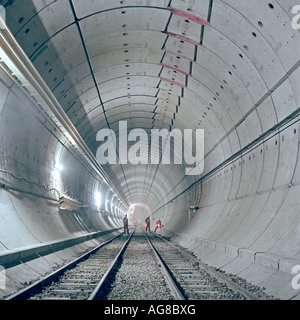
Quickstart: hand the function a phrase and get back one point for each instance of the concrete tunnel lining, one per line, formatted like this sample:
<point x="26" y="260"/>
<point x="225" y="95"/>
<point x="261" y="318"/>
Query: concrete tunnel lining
<point x="226" y="66"/>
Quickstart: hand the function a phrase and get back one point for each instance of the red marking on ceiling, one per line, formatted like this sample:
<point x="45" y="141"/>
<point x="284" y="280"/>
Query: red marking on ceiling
<point x="164" y="90"/>
<point x="161" y="89"/>
<point x="171" y="81"/>
<point x="188" y="16"/>
<point x="179" y="55"/>
<point x="178" y="36"/>
<point x="175" y="69"/>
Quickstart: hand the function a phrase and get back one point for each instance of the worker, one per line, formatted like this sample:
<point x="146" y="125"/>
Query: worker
<point x="125" y="222"/>
<point x="158" y="225"/>
<point x="147" y="224"/>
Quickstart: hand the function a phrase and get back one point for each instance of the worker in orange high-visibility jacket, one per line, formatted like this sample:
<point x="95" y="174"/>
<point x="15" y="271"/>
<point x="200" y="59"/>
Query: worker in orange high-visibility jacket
<point x="125" y="223"/>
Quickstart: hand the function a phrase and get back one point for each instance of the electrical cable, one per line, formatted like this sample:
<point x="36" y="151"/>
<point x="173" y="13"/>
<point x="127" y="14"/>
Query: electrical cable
<point x="30" y="182"/>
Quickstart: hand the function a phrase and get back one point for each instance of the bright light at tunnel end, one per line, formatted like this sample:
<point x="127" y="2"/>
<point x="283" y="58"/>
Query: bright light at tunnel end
<point x="138" y="153"/>
<point x="136" y="216"/>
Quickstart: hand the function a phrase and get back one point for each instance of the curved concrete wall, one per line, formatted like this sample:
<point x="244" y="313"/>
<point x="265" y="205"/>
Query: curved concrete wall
<point x="248" y="218"/>
<point x="255" y="234"/>
<point x="32" y="224"/>
<point x="30" y="150"/>
<point x="228" y="66"/>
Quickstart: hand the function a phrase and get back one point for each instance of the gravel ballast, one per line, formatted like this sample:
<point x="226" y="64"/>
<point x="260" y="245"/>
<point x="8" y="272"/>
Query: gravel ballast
<point x="140" y="276"/>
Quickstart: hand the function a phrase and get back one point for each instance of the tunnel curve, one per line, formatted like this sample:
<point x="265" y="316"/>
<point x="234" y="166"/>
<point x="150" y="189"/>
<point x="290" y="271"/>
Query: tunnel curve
<point x="229" y="67"/>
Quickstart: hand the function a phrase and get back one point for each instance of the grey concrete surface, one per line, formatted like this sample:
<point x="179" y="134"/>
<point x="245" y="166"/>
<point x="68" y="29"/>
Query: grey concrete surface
<point x="154" y="63"/>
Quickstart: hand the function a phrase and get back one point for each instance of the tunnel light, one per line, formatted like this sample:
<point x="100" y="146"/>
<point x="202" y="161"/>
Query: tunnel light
<point x="59" y="167"/>
<point x="112" y="208"/>
<point x="98" y="199"/>
<point x="56" y="174"/>
<point x="106" y="205"/>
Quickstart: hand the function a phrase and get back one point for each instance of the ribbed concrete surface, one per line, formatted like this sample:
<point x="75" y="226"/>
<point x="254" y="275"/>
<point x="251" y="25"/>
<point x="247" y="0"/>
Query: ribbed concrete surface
<point x="230" y="67"/>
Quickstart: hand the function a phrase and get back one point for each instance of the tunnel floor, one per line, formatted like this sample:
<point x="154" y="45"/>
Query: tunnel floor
<point x="140" y="273"/>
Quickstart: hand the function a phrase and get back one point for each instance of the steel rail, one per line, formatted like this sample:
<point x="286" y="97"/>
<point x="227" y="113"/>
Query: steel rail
<point x="220" y="277"/>
<point x="175" y="291"/>
<point x="97" y="291"/>
<point x="38" y="286"/>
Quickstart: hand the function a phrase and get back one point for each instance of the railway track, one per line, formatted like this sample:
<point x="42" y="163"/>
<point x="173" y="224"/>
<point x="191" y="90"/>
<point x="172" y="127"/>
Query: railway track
<point x="135" y="267"/>
<point x="82" y="279"/>
<point x="192" y="280"/>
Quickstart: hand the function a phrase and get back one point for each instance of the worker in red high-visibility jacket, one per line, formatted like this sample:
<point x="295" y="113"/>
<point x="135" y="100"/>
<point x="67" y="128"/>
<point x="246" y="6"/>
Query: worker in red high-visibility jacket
<point x="158" y="225"/>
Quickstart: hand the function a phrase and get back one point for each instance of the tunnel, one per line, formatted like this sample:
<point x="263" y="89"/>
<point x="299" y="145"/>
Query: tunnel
<point x="226" y="68"/>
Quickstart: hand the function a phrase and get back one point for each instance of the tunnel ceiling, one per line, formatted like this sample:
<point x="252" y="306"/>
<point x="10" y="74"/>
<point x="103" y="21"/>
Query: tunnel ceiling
<point x="161" y="64"/>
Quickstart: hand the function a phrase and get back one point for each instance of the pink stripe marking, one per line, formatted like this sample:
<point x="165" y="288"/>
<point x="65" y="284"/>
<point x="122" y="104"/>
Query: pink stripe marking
<point x="176" y="69"/>
<point x="188" y="16"/>
<point x="171" y="81"/>
<point x="177" y="54"/>
<point x="178" y="36"/>
<point x="160" y="89"/>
